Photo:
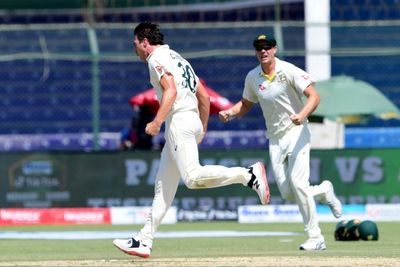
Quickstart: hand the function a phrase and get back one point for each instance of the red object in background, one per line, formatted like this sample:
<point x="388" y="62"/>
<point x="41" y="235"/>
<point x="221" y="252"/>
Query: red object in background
<point x="149" y="97"/>
<point x="31" y="216"/>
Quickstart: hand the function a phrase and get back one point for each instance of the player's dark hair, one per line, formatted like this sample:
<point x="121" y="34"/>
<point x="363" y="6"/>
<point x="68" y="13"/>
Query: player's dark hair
<point x="150" y="31"/>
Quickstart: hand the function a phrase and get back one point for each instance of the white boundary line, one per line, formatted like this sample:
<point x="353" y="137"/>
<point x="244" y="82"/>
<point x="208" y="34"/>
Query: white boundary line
<point x="89" y="235"/>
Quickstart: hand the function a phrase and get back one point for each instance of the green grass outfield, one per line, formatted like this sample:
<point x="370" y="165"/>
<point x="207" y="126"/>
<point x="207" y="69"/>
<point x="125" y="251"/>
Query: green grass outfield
<point x="203" y="251"/>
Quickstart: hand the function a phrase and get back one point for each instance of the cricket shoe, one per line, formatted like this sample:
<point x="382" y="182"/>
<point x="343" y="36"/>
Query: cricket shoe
<point x="259" y="182"/>
<point x="313" y="244"/>
<point x="132" y="247"/>
<point x="331" y="199"/>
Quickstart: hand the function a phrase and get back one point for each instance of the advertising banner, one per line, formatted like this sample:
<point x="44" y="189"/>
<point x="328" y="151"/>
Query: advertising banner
<point x="28" y="216"/>
<point x="138" y="215"/>
<point x="115" y="179"/>
<point x="290" y="213"/>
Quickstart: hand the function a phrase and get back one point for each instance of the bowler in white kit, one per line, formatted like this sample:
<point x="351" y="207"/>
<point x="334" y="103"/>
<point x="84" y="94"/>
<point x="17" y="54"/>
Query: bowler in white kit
<point x="184" y="108"/>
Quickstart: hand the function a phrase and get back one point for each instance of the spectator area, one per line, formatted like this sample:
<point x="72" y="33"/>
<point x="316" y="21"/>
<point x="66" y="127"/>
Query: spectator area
<point x="43" y="95"/>
<point x="56" y="95"/>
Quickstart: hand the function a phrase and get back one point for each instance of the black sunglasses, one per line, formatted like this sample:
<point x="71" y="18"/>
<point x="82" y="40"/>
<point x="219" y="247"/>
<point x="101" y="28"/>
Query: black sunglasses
<point x="265" y="47"/>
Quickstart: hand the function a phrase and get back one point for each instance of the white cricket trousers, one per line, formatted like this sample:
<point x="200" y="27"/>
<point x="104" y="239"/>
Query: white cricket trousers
<point x="180" y="158"/>
<point x="290" y="162"/>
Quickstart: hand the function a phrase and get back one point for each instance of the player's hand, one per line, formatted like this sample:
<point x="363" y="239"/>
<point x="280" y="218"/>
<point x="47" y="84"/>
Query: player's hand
<point x="153" y="128"/>
<point x="297" y="119"/>
<point x="225" y="115"/>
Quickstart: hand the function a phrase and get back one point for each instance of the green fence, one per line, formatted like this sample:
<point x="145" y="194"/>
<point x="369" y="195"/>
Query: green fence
<point x="127" y="178"/>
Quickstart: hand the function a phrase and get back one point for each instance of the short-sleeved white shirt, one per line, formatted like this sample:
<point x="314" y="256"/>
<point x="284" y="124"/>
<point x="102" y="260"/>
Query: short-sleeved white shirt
<point x="164" y="60"/>
<point x="279" y="98"/>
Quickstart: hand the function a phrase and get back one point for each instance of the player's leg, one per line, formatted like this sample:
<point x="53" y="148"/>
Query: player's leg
<point x="165" y="187"/>
<point x="278" y="158"/>
<point x="184" y="136"/>
<point x="299" y="173"/>
<point x="166" y="184"/>
<point x="186" y="130"/>
<point x="325" y="194"/>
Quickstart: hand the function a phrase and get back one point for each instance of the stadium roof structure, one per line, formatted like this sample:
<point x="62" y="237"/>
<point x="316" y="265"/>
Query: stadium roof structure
<point x="350" y="101"/>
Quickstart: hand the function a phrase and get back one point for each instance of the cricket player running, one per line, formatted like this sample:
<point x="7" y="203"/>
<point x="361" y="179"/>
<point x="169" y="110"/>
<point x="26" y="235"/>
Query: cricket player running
<point x="278" y="87"/>
<point x="184" y="107"/>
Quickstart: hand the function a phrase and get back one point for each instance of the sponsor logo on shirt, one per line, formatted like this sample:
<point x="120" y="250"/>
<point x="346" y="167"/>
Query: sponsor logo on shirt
<point x="159" y="69"/>
<point x="281" y="77"/>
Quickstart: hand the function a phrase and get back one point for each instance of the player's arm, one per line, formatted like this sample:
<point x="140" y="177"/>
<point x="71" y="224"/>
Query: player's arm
<point x="167" y="100"/>
<point x="238" y="110"/>
<point x="312" y="102"/>
<point x="204" y="105"/>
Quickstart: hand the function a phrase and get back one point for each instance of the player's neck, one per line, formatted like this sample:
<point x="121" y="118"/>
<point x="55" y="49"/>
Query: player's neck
<point x="268" y="68"/>
<point x="150" y="49"/>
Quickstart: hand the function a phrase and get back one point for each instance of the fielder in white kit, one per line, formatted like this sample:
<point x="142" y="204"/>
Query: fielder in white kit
<point x="184" y="107"/>
<point x="278" y="87"/>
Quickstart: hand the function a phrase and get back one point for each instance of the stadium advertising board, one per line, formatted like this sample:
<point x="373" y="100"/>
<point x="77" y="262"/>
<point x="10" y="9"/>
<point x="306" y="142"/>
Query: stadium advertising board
<point x="22" y="216"/>
<point x="112" y="179"/>
<point x="112" y="215"/>
<point x="290" y="213"/>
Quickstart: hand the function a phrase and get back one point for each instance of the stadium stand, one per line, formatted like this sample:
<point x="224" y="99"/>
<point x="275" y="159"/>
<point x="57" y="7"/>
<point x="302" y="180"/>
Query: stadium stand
<point x="158" y="10"/>
<point x="344" y="10"/>
<point x="54" y="95"/>
<point x="60" y="89"/>
<point x="378" y="69"/>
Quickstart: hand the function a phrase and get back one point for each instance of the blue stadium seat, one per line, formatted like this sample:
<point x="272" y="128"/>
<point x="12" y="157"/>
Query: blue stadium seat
<point x="373" y="138"/>
<point x="62" y="101"/>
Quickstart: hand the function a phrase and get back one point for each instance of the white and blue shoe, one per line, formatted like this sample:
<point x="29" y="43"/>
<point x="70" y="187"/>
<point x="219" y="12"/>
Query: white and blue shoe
<point x="313" y="244"/>
<point x="132" y="247"/>
<point x="330" y="198"/>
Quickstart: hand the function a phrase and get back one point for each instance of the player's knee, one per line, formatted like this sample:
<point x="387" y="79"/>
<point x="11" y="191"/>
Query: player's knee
<point x="302" y="191"/>
<point x="287" y="194"/>
<point x="193" y="183"/>
<point x="190" y="184"/>
<point x="299" y="188"/>
<point x="191" y="178"/>
<point x="288" y="197"/>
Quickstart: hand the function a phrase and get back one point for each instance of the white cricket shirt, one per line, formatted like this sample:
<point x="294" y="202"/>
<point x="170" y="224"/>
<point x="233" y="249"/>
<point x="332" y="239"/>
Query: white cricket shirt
<point x="164" y="60"/>
<point x="279" y="98"/>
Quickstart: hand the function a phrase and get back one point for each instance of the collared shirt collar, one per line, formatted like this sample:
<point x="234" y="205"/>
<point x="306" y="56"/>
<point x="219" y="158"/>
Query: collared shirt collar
<point x="277" y="69"/>
<point x="157" y="49"/>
